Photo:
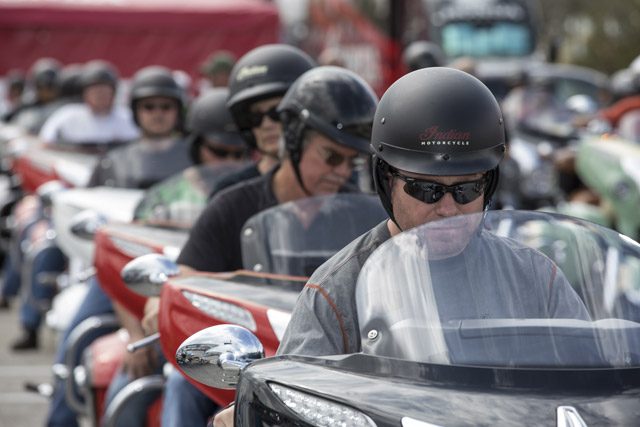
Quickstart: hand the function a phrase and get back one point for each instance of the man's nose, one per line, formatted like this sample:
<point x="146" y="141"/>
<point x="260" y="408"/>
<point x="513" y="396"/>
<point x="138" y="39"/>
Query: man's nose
<point x="344" y="169"/>
<point x="447" y="206"/>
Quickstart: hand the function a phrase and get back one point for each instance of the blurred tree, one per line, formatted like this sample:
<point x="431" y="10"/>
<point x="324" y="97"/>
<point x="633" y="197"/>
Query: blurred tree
<point x="599" y="34"/>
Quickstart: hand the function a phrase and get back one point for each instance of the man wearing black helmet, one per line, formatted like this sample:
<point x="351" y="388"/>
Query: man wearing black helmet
<point x="326" y="117"/>
<point x="257" y="83"/>
<point x="44" y="80"/>
<point x="97" y="119"/>
<point x="157" y="103"/>
<point x="422" y="54"/>
<point x="438" y="138"/>
<point x="216" y="149"/>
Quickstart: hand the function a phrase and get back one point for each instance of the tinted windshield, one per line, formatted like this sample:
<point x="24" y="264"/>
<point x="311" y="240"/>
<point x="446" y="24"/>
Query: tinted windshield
<point x="510" y="289"/>
<point x="296" y="237"/>
<point x="486" y="39"/>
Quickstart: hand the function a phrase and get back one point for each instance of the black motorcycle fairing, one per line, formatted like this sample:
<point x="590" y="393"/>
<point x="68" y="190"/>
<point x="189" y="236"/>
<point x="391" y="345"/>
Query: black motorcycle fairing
<point x="387" y="389"/>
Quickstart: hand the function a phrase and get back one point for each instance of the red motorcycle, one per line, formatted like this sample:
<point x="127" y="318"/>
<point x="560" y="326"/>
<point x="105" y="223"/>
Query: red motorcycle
<point x="162" y="217"/>
<point x="281" y="247"/>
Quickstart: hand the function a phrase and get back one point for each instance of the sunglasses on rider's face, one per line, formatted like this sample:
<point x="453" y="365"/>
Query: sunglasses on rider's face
<point x="334" y="159"/>
<point x="152" y="106"/>
<point x="430" y="192"/>
<point x="224" y="153"/>
<point x="255" y="117"/>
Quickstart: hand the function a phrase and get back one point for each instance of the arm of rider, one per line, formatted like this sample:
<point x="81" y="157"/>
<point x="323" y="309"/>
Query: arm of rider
<point x="143" y="361"/>
<point x="150" y="319"/>
<point x="224" y="418"/>
<point x="152" y="308"/>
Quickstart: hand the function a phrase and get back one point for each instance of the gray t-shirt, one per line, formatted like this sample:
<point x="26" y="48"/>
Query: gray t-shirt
<point x="325" y="319"/>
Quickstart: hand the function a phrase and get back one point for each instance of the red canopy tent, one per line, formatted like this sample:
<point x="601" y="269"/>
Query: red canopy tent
<point x="178" y="34"/>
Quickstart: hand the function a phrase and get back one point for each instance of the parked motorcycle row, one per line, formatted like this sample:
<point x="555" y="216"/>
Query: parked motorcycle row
<point x="570" y="188"/>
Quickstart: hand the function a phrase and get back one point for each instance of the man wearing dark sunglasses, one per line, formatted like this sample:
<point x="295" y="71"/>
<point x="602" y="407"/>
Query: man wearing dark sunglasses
<point x="156" y="102"/>
<point x="326" y="116"/>
<point x="438" y="138"/>
<point x="257" y="83"/>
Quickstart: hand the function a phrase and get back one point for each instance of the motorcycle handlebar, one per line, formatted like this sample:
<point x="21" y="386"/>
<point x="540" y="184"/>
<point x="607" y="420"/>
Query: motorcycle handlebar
<point x="144" y="342"/>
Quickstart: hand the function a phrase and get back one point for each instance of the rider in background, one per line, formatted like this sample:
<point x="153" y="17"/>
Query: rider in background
<point x="326" y="117"/>
<point x="215" y="147"/>
<point x="14" y="82"/>
<point x="216" y="69"/>
<point x="422" y="54"/>
<point x="157" y="103"/>
<point x="257" y="83"/>
<point x="97" y="120"/>
<point x="44" y="85"/>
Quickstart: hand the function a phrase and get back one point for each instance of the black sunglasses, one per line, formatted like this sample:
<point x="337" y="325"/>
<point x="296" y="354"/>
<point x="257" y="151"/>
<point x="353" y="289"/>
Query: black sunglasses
<point x="255" y="117"/>
<point x="224" y="153"/>
<point x="151" y="106"/>
<point x="334" y="159"/>
<point x="430" y="192"/>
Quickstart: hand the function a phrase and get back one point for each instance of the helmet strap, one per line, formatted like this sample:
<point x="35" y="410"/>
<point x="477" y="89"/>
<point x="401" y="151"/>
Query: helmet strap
<point x="293" y="133"/>
<point x="382" y="182"/>
<point x="493" y="177"/>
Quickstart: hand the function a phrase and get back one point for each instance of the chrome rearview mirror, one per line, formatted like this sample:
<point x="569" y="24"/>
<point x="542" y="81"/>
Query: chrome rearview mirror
<point x="146" y="274"/>
<point x="215" y="356"/>
<point x="85" y="224"/>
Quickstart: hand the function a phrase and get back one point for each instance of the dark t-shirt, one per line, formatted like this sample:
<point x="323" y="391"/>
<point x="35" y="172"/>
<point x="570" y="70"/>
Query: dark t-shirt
<point x="214" y="241"/>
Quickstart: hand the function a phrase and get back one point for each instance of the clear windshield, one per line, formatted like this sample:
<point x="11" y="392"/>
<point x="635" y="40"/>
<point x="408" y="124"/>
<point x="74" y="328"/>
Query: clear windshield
<point x="510" y="289"/>
<point x="296" y="237"/>
<point x="486" y="39"/>
<point x="179" y="199"/>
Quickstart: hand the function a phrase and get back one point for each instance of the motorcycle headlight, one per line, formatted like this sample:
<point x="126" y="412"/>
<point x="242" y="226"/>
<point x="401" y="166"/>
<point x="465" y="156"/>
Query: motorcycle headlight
<point x="222" y="310"/>
<point x="318" y="411"/>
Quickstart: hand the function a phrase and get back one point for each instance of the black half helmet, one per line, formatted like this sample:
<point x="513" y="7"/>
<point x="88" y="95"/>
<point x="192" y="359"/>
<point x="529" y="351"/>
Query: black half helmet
<point x="437" y="121"/>
<point x="155" y="80"/>
<point x="422" y="54"/>
<point x="332" y="100"/>
<point x="262" y="73"/>
<point x="99" y="71"/>
<point x="44" y="72"/>
<point x="210" y="118"/>
<point x="69" y="81"/>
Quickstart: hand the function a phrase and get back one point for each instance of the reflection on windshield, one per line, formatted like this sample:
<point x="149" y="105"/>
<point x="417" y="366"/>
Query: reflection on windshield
<point x="497" y="39"/>
<point x="505" y="288"/>
<point x="295" y="238"/>
<point x="179" y="199"/>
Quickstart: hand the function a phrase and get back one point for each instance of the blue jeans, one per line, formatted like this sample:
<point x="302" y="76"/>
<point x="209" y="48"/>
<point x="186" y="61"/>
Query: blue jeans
<point x="12" y="263"/>
<point x="10" y="278"/>
<point x="135" y="412"/>
<point x="95" y="303"/>
<point x="185" y="405"/>
<point x="39" y="296"/>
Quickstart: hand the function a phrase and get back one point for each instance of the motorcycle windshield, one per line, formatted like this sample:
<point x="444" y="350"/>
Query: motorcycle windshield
<point x="504" y="289"/>
<point x="294" y="238"/>
<point x="180" y="199"/>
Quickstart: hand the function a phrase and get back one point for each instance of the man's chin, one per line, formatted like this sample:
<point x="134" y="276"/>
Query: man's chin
<point x="270" y="146"/>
